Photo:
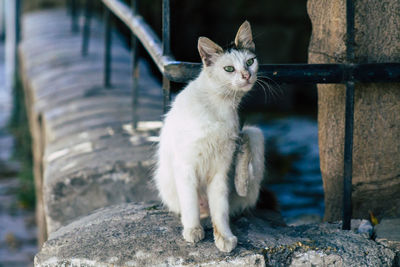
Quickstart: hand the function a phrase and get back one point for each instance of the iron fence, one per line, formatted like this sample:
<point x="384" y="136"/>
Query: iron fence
<point x="348" y="73"/>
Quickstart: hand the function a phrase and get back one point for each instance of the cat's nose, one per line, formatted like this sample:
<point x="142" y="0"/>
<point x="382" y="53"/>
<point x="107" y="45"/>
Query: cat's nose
<point x="246" y="75"/>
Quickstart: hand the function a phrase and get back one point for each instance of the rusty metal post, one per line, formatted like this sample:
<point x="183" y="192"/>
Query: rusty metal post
<point x="86" y="28"/>
<point x="349" y="120"/>
<point x="12" y="40"/>
<point x="107" y="48"/>
<point x="166" y="42"/>
<point x="135" y="71"/>
<point x="74" y="15"/>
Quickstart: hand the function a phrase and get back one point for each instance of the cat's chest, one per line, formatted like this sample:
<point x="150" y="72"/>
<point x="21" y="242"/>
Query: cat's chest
<point x="203" y="122"/>
<point x="219" y="132"/>
<point x="219" y="126"/>
<point x="216" y="139"/>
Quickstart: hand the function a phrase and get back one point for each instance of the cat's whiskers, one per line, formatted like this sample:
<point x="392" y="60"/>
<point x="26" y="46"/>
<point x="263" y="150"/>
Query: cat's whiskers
<point x="274" y="90"/>
<point x="271" y="89"/>
<point x="260" y="74"/>
<point x="263" y="87"/>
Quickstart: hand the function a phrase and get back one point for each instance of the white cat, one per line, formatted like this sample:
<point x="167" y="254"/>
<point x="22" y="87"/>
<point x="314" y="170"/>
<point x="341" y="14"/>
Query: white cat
<point x="199" y="139"/>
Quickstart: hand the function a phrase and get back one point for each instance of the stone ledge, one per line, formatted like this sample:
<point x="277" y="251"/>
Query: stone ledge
<point x="147" y="235"/>
<point x="85" y="157"/>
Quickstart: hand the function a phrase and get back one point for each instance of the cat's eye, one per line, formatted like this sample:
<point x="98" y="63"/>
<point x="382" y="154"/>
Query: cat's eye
<point x="250" y="62"/>
<point x="229" y="68"/>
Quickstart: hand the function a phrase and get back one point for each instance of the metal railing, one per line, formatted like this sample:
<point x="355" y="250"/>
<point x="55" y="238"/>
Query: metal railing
<point x="12" y="12"/>
<point x="178" y="71"/>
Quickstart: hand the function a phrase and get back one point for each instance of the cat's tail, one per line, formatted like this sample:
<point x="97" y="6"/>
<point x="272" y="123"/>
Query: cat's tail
<point x="266" y="198"/>
<point x="256" y="142"/>
<point x="249" y="171"/>
<point x="250" y="166"/>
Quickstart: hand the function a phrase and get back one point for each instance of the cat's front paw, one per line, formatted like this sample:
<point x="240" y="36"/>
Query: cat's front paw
<point x="193" y="235"/>
<point x="226" y="244"/>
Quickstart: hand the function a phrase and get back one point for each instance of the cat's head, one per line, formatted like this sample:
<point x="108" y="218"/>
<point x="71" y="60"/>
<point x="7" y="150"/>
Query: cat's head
<point x="234" y="68"/>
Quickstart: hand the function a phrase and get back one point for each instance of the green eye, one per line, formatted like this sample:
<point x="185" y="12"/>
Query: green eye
<point x="229" y="68"/>
<point x="250" y="62"/>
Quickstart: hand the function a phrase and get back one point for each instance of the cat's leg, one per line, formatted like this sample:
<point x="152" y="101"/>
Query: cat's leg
<point x="249" y="170"/>
<point x="186" y="185"/>
<point x="218" y="194"/>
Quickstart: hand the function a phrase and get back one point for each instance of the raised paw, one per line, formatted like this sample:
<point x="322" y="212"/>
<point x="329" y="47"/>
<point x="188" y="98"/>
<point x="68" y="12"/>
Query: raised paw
<point x="226" y="244"/>
<point x="193" y="235"/>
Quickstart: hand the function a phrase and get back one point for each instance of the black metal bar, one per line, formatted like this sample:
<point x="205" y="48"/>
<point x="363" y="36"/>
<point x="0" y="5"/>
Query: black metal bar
<point x="348" y="156"/>
<point x="349" y="120"/>
<point x="166" y="43"/>
<point x="332" y="73"/>
<point x="86" y="28"/>
<point x="376" y="72"/>
<point x="135" y="72"/>
<point x="18" y="12"/>
<point x="17" y="23"/>
<point x="166" y="33"/>
<point x="304" y="73"/>
<point x="178" y="71"/>
<point x="107" y="48"/>
<point x="74" y="16"/>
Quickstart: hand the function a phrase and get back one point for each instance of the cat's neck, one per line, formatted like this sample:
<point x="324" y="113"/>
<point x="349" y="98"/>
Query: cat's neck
<point x="220" y="96"/>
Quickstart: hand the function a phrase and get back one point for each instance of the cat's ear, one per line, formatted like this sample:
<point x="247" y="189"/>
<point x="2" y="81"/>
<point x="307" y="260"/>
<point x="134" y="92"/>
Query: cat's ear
<point x="208" y="50"/>
<point x="244" y="37"/>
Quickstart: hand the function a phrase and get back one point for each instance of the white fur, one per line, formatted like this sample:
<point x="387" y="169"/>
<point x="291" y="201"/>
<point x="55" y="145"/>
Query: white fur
<point x="197" y="144"/>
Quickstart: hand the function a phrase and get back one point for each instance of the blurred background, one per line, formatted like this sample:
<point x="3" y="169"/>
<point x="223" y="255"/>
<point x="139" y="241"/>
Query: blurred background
<point x="286" y="113"/>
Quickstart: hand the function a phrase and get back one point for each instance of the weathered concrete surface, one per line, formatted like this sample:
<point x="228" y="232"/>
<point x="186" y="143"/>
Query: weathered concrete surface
<point x="94" y="174"/>
<point x="86" y="155"/>
<point x="146" y="235"/>
<point x="376" y="155"/>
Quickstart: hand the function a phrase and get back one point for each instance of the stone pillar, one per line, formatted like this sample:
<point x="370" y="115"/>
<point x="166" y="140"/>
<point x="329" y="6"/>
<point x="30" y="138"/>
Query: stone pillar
<point x="376" y="154"/>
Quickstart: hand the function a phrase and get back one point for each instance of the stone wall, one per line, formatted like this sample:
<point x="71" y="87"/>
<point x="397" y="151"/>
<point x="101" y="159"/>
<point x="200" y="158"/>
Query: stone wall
<point x="376" y="156"/>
